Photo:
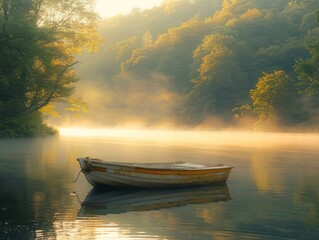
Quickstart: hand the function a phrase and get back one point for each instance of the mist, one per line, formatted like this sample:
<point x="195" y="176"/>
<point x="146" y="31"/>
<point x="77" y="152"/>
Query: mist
<point x="235" y="140"/>
<point x="129" y="102"/>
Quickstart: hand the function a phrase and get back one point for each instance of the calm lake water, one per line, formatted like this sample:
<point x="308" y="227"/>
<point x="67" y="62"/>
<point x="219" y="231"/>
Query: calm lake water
<point x="272" y="192"/>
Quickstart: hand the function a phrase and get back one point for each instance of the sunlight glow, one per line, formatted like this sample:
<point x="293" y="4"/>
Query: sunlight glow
<point x="197" y="138"/>
<point x="112" y="8"/>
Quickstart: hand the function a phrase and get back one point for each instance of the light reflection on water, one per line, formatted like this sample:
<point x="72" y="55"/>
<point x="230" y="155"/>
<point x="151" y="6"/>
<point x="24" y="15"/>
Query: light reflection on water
<point x="273" y="188"/>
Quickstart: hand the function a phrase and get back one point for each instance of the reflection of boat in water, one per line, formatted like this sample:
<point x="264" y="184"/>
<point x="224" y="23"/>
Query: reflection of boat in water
<point x="113" y="201"/>
<point x="151" y="175"/>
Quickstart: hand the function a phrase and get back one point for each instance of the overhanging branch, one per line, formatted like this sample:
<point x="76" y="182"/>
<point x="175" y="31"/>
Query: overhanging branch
<point x="38" y="102"/>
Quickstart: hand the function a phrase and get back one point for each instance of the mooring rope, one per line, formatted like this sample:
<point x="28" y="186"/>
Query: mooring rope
<point x="77" y="176"/>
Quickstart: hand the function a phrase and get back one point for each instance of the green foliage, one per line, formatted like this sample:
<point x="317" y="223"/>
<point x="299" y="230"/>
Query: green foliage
<point x="272" y="98"/>
<point x="28" y="125"/>
<point x="211" y="55"/>
<point x="39" y="39"/>
<point x="308" y="71"/>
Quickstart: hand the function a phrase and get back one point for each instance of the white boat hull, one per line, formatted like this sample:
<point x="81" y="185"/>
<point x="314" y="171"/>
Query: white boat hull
<point x="99" y="172"/>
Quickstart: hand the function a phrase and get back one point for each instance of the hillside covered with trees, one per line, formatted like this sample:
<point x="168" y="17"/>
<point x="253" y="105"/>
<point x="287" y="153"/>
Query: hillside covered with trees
<point x="216" y="62"/>
<point x="185" y="63"/>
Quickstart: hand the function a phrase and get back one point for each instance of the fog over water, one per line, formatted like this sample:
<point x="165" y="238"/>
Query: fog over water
<point x="193" y="138"/>
<point x="271" y="192"/>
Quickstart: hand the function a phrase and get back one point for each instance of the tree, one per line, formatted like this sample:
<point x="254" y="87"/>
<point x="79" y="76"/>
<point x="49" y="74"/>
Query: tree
<point x="272" y="97"/>
<point x="219" y="82"/>
<point x="39" y="39"/>
<point x="308" y="70"/>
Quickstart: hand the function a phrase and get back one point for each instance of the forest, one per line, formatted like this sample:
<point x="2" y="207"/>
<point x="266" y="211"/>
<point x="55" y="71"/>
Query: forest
<point x="184" y="64"/>
<point x="231" y="63"/>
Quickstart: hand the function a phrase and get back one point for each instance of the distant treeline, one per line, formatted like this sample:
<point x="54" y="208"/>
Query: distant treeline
<point x="192" y="62"/>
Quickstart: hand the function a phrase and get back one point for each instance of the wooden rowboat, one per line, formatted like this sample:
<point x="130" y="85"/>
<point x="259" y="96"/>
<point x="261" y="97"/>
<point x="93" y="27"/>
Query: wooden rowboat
<point x="151" y="175"/>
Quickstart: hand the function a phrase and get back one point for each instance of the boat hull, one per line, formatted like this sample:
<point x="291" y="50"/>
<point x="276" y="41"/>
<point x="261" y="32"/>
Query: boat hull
<point x="120" y="175"/>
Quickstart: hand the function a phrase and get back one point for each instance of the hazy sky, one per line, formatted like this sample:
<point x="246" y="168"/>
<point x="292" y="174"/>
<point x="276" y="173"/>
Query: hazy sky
<point x="108" y="8"/>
